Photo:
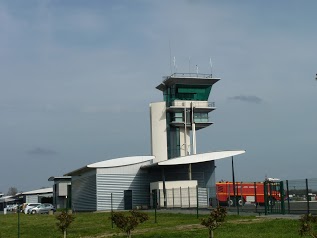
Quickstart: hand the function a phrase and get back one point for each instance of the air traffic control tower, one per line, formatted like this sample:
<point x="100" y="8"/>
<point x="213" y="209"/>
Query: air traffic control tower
<point x="185" y="110"/>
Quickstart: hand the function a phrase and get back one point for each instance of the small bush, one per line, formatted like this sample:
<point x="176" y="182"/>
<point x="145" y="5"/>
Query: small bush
<point x="214" y="220"/>
<point x="307" y="225"/>
<point x="65" y="220"/>
<point x="128" y="223"/>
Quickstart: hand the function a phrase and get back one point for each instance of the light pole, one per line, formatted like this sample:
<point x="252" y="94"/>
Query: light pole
<point x="234" y="186"/>
<point x="18" y="209"/>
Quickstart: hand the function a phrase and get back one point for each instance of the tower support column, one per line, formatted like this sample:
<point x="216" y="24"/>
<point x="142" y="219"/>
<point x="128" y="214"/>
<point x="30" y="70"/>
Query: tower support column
<point x="185" y="130"/>
<point x="193" y="128"/>
<point x="194" y="138"/>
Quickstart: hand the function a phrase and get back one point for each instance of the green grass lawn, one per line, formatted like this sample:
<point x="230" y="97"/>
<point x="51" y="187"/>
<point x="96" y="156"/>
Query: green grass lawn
<point x="168" y="225"/>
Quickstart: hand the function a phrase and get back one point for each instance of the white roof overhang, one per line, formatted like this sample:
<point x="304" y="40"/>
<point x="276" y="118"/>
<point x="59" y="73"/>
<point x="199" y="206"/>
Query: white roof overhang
<point x="7" y="199"/>
<point x="124" y="161"/>
<point x="199" y="158"/>
<point x="39" y="191"/>
<point x="111" y="163"/>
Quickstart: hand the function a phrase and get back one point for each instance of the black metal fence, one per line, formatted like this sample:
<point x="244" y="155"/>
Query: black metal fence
<point x="286" y="197"/>
<point x="301" y="196"/>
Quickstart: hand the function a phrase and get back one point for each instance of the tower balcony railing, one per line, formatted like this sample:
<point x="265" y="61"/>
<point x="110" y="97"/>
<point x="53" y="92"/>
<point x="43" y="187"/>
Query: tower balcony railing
<point x="188" y="75"/>
<point x="197" y="104"/>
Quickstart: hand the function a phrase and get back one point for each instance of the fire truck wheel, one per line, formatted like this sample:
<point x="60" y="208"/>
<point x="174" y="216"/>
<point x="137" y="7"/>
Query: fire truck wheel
<point x="241" y="202"/>
<point x="230" y="202"/>
<point x="271" y="202"/>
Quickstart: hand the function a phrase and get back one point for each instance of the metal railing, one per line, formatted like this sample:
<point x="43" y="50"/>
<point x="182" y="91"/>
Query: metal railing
<point x="182" y="197"/>
<point x="177" y="103"/>
<point x="188" y="75"/>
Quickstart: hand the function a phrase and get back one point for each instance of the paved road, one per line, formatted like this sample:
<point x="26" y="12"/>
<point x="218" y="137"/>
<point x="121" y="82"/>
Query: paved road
<point x="294" y="207"/>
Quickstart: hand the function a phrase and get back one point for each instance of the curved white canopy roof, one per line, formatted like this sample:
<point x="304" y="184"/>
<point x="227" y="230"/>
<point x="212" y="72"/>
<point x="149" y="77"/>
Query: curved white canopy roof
<point x="198" y="158"/>
<point x="120" y="161"/>
<point x="38" y="191"/>
<point x="190" y="159"/>
<point x="124" y="161"/>
<point x="6" y="199"/>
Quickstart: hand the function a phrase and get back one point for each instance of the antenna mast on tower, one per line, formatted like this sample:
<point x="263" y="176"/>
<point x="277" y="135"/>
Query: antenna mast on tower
<point x="210" y="63"/>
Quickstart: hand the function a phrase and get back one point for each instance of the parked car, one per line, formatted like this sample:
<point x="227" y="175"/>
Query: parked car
<point x="10" y="207"/>
<point x="42" y="208"/>
<point x="29" y="206"/>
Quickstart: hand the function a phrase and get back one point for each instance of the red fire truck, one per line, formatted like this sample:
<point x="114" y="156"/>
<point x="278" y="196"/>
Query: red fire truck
<point x="252" y="192"/>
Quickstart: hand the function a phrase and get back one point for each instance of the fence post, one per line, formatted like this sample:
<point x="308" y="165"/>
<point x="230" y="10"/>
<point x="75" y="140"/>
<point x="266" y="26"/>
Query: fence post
<point x="111" y="211"/>
<point x="180" y="194"/>
<point x="282" y="197"/>
<point x="287" y="193"/>
<point x="155" y="204"/>
<point x="207" y="192"/>
<point x="241" y="197"/>
<point x="255" y="198"/>
<point x="307" y="198"/>
<point x="18" y="210"/>
<point x="66" y="204"/>
<point x="234" y="187"/>
<point x="270" y="197"/>
<point x="228" y="194"/>
<point x="173" y="197"/>
<point x="197" y="199"/>
<point x="265" y="197"/>
<point x="188" y="197"/>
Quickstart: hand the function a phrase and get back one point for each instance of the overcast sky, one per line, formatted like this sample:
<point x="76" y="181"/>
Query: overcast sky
<point x="77" y="77"/>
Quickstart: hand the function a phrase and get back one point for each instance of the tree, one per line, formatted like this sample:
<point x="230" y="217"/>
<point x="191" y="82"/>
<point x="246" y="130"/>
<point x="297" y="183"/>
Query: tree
<point x="12" y="191"/>
<point x="307" y="224"/>
<point x="65" y="220"/>
<point x="128" y="223"/>
<point x="214" y="220"/>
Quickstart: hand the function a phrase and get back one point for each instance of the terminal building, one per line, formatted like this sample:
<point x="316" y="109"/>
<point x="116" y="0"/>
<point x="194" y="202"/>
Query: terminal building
<point x="174" y="175"/>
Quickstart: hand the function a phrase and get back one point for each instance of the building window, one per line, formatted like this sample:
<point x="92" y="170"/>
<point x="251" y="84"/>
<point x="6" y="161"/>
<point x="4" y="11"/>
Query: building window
<point x="177" y="117"/>
<point x="200" y="117"/>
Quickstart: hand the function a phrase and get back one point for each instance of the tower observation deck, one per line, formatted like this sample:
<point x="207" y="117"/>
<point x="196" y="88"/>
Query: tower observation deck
<point x="184" y="111"/>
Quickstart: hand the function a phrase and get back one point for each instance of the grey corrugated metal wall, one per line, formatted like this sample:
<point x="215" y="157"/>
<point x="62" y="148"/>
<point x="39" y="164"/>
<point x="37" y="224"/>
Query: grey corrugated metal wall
<point x="84" y="192"/>
<point x="36" y="198"/>
<point x="117" y="179"/>
<point x="32" y="198"/>
<point x="92" y="190"/>
<point x="116" y="184"/>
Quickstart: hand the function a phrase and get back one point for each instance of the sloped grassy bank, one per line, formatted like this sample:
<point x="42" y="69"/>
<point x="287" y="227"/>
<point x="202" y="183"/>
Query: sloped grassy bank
<point x="88" y="225"/>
